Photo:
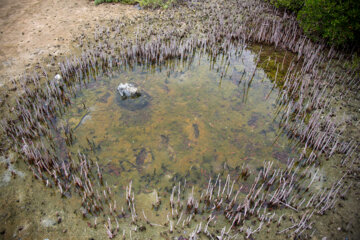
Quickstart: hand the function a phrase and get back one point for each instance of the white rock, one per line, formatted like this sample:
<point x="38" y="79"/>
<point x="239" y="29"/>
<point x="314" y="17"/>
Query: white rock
<point x="58" y="77"/>
<point x="127" y="90"/>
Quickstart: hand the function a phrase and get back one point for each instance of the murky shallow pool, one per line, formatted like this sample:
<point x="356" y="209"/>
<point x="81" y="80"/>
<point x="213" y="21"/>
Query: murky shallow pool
<point x="195" y="120"/>
<point x="191" y="123"/>
<point x="188" y="122"/>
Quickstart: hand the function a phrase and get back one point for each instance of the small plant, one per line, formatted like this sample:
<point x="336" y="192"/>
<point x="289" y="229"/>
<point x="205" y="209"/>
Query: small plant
<point x="156" y="3"/>
<point x="121" y="1"/>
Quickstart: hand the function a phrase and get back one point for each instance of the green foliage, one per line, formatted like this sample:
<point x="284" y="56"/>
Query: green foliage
<point x="337" y="21"/>
<point x="293" y="5"/>
<point x="121" y="1"/>
<point x="156" y="3"/>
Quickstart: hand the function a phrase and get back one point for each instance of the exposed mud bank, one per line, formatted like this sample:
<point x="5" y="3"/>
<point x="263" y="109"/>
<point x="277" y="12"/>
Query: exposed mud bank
<point x="34" y="30"/>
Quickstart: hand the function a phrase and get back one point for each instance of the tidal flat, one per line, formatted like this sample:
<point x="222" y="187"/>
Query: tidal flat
<point x="241" y="131"/>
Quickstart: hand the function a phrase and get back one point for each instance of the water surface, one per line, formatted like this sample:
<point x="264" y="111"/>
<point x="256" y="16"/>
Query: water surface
<point x="191" y="121"/>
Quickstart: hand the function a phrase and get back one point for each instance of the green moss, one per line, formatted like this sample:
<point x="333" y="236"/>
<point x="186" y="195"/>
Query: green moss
<point x="274" y="61"/>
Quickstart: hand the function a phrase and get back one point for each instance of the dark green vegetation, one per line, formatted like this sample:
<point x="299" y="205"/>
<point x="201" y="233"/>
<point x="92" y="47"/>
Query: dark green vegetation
<point x="336" y="21"/>
<point x="292" y="5"/>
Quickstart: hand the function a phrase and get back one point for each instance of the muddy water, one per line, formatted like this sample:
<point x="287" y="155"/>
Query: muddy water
<point x="187" y="121"/>
<point x="191" y="122"/>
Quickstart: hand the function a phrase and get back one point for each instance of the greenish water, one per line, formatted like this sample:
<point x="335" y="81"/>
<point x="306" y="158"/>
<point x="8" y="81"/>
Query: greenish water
<point x="189" y="122"/>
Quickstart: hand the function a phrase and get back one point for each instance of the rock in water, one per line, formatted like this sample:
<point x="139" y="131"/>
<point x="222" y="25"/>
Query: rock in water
<point x="127" y="90"/>
<point x="134" y="103"/>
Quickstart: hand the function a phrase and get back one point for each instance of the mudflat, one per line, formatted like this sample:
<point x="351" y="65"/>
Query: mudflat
<point x="33" y="29"/>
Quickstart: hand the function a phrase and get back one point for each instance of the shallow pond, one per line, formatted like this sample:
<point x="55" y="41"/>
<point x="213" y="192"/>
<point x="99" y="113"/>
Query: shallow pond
<point x="195" y="120"/>
<point x="191" y="123"/>
<point x="188" y="121"/>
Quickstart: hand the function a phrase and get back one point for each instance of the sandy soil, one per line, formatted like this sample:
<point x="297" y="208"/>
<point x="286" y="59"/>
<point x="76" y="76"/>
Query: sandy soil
<point x="33" y="29"/>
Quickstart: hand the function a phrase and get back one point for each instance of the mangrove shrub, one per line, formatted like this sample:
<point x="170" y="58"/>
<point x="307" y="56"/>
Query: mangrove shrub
<point x="337" y="21"/>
